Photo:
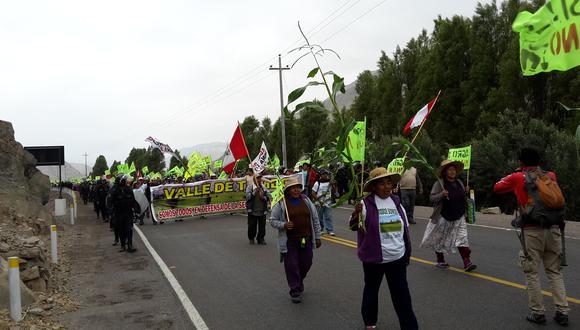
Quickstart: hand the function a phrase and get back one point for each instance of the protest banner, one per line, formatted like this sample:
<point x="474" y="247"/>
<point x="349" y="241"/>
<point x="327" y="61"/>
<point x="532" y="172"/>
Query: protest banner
<point x="179" y="201"/>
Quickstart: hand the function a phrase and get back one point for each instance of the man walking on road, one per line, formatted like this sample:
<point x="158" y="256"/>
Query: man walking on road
<point x="409" y="185"/>
<point x="541" y="237"/>
<point x="257" y="200"/>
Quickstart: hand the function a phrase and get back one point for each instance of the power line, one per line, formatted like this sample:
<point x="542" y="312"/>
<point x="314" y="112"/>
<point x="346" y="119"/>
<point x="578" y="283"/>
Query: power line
<point x="254" y="72"/>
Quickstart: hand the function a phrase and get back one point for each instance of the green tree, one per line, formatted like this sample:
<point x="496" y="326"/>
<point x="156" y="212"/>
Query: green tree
<point x="155" y="160"/>
<point x="100" y="166"/>
<point x="177" y="161"/>
<point x="139" y="156"/>
<point x="114" y="166"/>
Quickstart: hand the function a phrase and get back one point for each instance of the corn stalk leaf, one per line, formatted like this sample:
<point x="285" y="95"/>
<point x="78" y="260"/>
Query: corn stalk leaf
<point x="312" y="72"/>
<point x="338" y="85"/>
<point x="344" y="198"/>
<point x="295" y="94"/>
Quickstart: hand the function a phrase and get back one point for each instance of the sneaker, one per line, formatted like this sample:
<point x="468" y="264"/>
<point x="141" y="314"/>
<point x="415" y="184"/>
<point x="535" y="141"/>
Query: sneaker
<point x="469" y="267"/>
<point x="331" y="233"/>
<point x="413" y="222"/>
<point x="131" y="250"/>
<point x="252" y="242"/>
<point x="371" y="327"/>
<point x="442" y="265"/>
<point x="115" y="243"/>
<point x="536" y="318"/>
<point x="296" y="299"/>
<point x="261" y="242"/>
<point x="122" y="249"/>
<point x="561" y="319"/>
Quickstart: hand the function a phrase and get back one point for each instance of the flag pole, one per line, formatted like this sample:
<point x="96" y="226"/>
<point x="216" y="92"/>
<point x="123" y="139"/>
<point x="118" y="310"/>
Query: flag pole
<point x="423" y="123"/>
<point x="244" y="140"/>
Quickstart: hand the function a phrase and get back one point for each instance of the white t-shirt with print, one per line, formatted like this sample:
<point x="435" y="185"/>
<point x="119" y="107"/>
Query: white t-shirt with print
<point x="391" y="229"/>
<point x="322" y="190"/>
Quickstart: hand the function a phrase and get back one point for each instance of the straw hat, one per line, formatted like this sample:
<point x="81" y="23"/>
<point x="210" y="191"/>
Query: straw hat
<point x="292" y="181"/>
<point x="446" y="163"/>
<point x="378" y="173"/>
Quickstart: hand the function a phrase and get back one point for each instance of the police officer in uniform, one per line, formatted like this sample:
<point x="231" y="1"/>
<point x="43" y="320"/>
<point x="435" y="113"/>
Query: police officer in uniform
<point x="124" y="206"/>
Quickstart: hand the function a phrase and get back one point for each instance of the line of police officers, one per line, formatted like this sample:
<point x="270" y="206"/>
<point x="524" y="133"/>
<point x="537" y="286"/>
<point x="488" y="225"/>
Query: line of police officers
<point x="116" y="205"/>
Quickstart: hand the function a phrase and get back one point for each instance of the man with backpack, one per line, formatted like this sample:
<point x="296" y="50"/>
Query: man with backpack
<point x="542" y="207"/>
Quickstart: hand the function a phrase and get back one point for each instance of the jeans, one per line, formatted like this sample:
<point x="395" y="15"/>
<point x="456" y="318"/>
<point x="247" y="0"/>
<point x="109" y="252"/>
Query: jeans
<point x="325" y="218"/>
<point x="396" y="274"/>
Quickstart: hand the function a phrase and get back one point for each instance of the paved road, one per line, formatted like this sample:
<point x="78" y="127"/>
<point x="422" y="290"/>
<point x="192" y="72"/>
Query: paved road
<point x="235" y="285"/>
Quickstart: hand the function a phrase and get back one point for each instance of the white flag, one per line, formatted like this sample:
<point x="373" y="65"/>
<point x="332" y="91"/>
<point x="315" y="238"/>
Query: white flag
<point x="259" y="163"/>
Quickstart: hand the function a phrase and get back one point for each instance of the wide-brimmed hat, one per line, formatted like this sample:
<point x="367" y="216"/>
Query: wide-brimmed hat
<point x="378" y="173"/>
<point x="446" y="163"/>
<point x="292" y="181"/>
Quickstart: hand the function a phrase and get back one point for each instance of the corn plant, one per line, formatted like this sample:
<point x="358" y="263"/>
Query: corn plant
<point x="338" y="149"/>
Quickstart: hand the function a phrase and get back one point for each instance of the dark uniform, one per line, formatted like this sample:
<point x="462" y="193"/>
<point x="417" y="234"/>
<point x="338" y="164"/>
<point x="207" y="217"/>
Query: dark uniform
<point x="125" y="207"/>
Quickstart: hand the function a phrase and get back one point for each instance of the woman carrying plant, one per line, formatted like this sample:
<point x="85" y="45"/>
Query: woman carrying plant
<point x="299" y="232"/>
<point x="384" y="247"/>
<point x="448" y="229"/>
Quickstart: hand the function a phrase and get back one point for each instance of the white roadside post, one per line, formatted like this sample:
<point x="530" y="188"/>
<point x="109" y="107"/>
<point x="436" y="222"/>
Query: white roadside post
<point x="14" y="288"/>
<point x="53" y="238"/>
<point x="72" y="214"/>
<point x="60" y="207"/>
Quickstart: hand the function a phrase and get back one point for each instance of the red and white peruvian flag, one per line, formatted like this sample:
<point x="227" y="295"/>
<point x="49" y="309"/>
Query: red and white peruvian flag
<point x="235" y="150"/>
<point x="420" y="117"/>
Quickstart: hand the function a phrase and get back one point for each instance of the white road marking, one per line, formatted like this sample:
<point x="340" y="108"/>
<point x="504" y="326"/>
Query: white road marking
<point x="191" y="311"/>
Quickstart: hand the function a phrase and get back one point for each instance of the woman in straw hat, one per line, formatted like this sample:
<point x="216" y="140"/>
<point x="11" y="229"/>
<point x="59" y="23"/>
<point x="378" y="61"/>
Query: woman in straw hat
<point x="299" y="232"/>
<point x="384" y="247"/>
<point x="447" y="229"/>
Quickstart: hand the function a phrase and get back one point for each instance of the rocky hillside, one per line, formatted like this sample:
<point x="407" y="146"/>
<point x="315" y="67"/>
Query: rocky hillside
<point x="24" y="218"/>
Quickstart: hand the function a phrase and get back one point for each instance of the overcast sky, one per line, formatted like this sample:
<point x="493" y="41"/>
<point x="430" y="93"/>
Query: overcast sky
<point x="101" y="76"/>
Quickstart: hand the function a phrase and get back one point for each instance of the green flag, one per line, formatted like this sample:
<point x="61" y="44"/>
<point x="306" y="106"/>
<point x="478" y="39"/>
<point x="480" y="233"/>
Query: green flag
<point x="123" y="168"/>
<point x="218" y="163"/>
<point x="274" y="162"/>
<point x="132" y="168"/>
<point x="549" y="38"/>
<point x="174" y="171"/>
<point x="355" y="143"/>
<point x="107" y="172"/>
<point x="145" y="170"/>
<point x="223" y="175"/>
<point x="461" y="154"/>
<point x="396" y="166"/>
<point x="278" y="193"/>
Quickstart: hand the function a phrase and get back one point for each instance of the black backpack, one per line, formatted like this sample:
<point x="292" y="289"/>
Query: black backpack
<point x="536" y="212"/>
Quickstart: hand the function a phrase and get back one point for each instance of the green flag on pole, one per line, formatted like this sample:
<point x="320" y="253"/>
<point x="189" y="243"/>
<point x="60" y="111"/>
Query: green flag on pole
<point x="145" y="170"/>
<point x="132" y="168"/>
<point x="274" y="162"/>
<point x="278" y="193"/>
<point x="461" y="154"/>
<point x="123" y="169"/>
<point x="218" y="163"/>
<point x="356" y="141"/>
<point x="549" y="38"/>
<point x="396" y="166"/>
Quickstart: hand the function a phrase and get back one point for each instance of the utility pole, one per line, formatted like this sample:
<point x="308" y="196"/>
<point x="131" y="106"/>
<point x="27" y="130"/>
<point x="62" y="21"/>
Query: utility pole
<point x="282" y="119"/>
<point x="85" y="154"/>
